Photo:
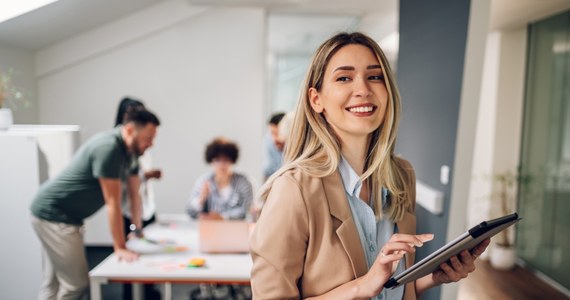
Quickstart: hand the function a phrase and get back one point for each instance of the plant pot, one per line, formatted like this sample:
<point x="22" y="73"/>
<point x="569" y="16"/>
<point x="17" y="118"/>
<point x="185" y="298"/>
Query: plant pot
<point x="6" y="119"/>
<point x="503" y="257"/>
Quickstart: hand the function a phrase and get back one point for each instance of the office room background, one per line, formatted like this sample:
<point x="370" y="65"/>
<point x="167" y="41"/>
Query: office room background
<point x="213" y="68"/>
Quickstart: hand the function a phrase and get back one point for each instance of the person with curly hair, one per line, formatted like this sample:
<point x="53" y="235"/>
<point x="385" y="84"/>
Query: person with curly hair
<point x="221" y="193"/>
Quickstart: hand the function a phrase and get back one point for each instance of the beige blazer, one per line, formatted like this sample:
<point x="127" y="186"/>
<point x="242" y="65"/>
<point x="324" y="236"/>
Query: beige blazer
<point x="306" y="243"/>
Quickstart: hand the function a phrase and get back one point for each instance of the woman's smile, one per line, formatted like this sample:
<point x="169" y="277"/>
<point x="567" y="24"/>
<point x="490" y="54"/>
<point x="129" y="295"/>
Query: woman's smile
<point x="362" y="110"/>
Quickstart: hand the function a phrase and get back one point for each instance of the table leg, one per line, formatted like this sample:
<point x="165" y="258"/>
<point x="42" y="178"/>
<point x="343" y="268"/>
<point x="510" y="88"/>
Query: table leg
<point x="95" y="289"/>
<point x="137" y="291"/>
<point x="167" y="293"/>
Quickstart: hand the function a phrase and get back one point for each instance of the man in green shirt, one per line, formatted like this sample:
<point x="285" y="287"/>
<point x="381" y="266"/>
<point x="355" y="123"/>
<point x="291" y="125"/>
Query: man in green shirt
<point x="91" y="180"/>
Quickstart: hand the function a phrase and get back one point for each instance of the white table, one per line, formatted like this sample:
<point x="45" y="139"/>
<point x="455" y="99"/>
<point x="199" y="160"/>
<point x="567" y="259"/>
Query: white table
<point x="165" y="268"/>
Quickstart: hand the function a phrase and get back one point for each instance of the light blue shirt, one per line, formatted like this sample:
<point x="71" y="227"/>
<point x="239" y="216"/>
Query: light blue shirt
<point x="373" y="234"/>
<point x="273" y="157"/>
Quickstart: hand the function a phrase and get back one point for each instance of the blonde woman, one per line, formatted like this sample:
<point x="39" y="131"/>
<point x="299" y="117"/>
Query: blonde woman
<point x="339" y="219"/>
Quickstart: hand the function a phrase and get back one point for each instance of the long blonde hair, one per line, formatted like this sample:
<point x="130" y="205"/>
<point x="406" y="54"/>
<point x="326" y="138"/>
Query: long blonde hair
<point x="313" y="147"/>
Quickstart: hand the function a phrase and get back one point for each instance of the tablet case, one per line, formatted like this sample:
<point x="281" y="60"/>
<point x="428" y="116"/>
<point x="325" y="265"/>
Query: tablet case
<point x="467" y="240"/>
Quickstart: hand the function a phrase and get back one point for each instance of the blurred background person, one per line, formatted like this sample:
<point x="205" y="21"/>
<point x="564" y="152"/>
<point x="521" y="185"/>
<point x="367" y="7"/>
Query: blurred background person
<point x="221" y="193"/>
<point x="279" y="134"/>
<point x="145" y="192"/>
<point x="91" y="180"/>
<point x="273" y="146"/>
<point x="146" y="172"/>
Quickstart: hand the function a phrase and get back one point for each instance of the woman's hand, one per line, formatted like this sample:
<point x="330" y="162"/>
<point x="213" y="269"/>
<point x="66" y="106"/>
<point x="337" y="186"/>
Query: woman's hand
<point x="459" y="266"/>
<point x="385" y="264"/>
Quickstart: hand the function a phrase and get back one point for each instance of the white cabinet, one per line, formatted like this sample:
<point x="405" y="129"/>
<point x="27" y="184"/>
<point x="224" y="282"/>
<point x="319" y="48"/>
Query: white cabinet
<point x="29" y="154"/>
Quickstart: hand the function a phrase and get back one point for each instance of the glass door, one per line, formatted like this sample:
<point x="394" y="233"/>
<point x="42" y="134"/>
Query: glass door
<point x="543" y="237"/>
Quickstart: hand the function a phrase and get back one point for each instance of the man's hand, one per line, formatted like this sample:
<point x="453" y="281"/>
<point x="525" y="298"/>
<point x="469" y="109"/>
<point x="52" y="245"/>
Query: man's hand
<point x="154" y="173"/>
<point x="126" y="255"/>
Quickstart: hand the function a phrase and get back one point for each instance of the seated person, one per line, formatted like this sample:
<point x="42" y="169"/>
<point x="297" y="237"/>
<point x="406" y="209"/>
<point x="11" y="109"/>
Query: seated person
<point x="221" y="193"/>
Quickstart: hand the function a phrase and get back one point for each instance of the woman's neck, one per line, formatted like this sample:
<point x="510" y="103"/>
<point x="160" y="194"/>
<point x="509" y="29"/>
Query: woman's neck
<point x="354" y="152"/>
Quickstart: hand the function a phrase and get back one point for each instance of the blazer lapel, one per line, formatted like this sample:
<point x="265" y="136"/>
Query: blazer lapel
<point x="408" y="226"/>
<point x="346" y="232"/>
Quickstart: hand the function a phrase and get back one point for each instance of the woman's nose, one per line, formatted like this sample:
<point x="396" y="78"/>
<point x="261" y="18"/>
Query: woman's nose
<point x="361" y="88"/>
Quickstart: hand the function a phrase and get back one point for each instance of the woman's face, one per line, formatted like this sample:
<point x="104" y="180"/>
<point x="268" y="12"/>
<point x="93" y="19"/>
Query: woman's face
<point x="353" y="96"/>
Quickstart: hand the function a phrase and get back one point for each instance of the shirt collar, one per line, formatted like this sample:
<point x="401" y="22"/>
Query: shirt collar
<point x="353" y="184"/>
<point x="122" y="144"/>
<point x="350" y="180"/>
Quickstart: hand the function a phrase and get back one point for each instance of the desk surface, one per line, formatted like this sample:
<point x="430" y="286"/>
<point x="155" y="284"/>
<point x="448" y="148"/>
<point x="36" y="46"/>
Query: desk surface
<point x="167" y="267"/>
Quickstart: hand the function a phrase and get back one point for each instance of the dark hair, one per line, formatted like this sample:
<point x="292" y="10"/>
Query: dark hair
<point x="276" y="118"/>
<point x="141" y="117"/>
<point x="220" y="147"/>
<point x="125" y="106"/>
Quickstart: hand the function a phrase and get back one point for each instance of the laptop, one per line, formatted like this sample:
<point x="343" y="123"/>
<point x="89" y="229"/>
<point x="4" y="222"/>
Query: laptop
<point x="467" y="240"/>
<point x="223" y="236"/>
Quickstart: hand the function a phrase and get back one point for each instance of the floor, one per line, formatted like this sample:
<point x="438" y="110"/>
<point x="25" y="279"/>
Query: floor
<point x="518" y="284"/>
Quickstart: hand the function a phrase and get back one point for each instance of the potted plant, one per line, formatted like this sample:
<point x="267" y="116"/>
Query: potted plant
<point x="10" y="95"/>
<point x="503" y="254"/>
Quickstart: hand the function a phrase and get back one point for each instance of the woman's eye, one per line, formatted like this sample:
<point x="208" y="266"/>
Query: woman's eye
<point x="376" y="77"/>
<point x="343" y="78"/>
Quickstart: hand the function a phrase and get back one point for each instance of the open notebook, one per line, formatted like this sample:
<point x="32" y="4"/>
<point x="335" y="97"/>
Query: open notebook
<point x="467" y="240"/>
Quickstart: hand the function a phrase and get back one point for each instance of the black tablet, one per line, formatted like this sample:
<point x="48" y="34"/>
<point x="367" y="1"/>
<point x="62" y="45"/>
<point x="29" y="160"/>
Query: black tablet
<point x="467" y="240"/>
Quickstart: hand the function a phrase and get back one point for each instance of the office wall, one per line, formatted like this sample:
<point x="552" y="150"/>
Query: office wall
<point x="432" y="47"/>
<point x="22" y="62"/>
<point x="499" y="124"/>
<point x="201" y="70"/>
<point x="481" y="185"/>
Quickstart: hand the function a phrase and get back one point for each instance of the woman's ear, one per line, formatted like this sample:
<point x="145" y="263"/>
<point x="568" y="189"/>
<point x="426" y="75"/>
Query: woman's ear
<point x="315" y="100"/>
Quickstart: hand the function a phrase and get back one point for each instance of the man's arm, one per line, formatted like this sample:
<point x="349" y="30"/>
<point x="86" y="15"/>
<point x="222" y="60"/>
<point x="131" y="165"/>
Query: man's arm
<point x="133" y="187"/>
<point x="111" y="188"/>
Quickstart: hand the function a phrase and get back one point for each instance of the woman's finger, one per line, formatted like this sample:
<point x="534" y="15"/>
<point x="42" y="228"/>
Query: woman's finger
<point x="479" y="249"/>
<point x="457" y="266"/>
<point x="468" y="261"/>
<point x="416" y="240"/>
<point x="392" y="247"/>
<point x="450" y="274"/>
<point x="390" y="258"/>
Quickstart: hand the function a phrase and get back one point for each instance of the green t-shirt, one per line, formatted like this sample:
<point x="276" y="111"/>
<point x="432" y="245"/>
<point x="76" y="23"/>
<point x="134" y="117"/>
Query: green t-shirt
<point x="75" y="194"/>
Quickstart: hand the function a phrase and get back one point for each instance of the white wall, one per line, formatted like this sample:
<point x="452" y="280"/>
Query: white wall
<point x="510" y="99"/>
<point x="481" y="187"/>
<point x="201" y="70"/>
<point x="499" y="125"/>
<point x="22" y="62"/>
<point x="382" y="26"/>
<point x="467" y="125"/>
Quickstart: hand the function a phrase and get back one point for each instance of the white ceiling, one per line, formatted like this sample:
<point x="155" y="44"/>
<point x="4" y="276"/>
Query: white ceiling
<point x="63" y="19"/>
<point x="66" y="18"/>
<point x="356" y="7"/>
<point x="298" y="22"/>
<point x="302" y="33"/>
<point x="514" y="14"/>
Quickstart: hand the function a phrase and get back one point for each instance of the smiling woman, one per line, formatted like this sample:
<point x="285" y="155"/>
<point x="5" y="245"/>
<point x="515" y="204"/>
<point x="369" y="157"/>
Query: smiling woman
<point x="339" y="215"/>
